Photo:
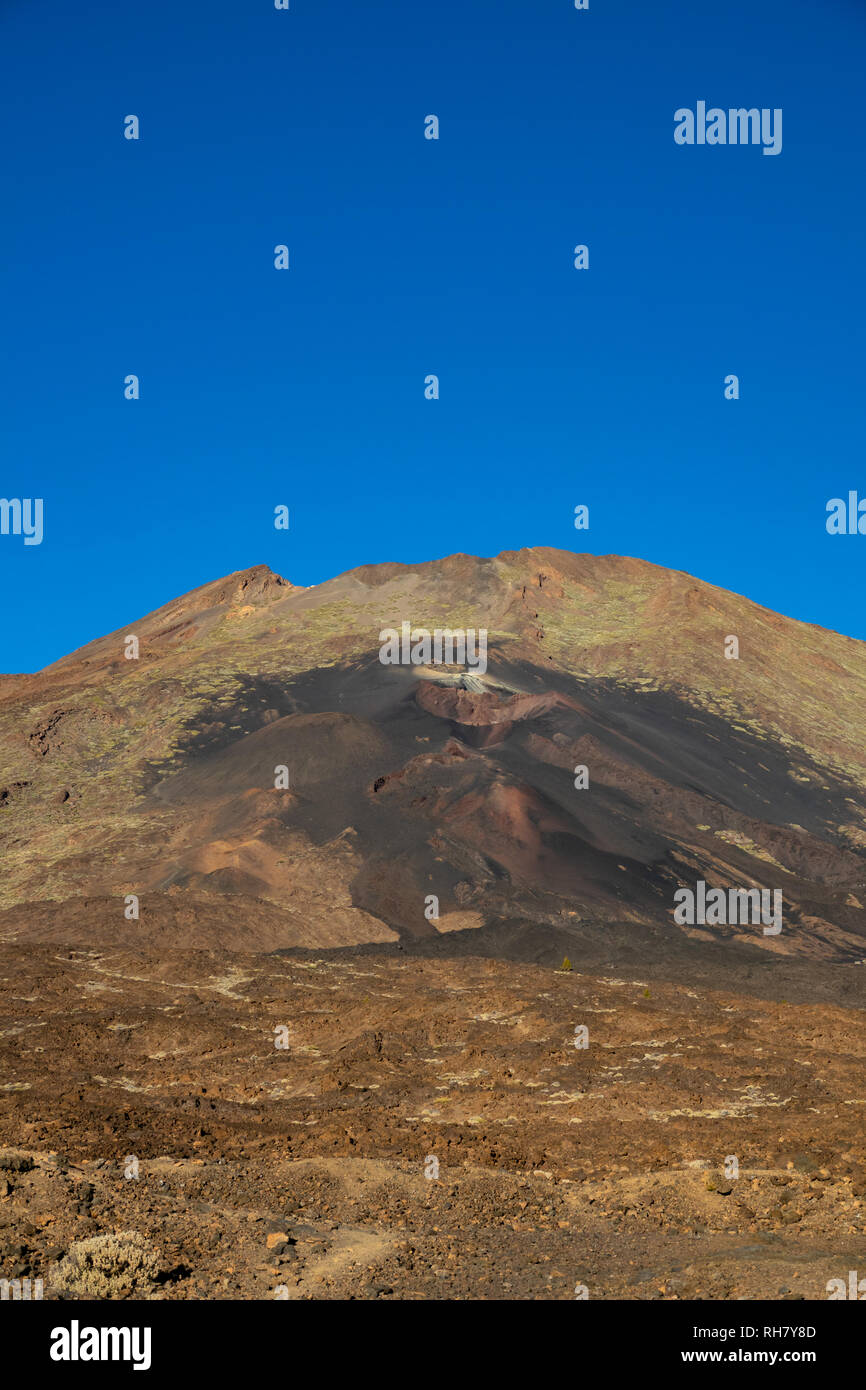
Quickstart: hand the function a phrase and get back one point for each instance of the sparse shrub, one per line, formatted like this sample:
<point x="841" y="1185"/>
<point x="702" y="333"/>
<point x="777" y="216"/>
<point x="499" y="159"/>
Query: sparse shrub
<point x="108" y="1266"/>
<point x="566" y="964"/>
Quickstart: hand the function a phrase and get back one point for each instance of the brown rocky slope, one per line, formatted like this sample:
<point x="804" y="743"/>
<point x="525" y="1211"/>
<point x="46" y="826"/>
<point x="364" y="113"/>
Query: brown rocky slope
<point x="155" y="776"/>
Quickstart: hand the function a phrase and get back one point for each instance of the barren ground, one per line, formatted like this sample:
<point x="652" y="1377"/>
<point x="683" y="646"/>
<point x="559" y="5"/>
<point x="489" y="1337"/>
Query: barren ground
<point x="304" y="1169"/>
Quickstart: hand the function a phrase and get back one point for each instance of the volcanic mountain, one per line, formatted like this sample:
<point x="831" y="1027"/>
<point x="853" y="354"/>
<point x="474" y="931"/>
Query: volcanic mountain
<point x="256" y="777"/>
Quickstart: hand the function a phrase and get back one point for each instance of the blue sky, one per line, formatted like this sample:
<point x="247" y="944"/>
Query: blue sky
<point x="410" y="257"/>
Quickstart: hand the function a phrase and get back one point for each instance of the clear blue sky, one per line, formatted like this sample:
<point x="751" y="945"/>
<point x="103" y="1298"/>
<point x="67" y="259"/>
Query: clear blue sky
<point x="410" y="257"/>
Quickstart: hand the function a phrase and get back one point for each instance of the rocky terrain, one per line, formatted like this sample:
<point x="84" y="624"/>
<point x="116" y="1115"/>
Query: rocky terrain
<point x="149" y="1096"/>
<point x="241" y="1057"/>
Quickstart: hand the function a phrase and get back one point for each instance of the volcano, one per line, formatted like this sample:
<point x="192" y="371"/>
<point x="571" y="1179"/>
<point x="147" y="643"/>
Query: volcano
<point x="375" y="974"/>
<point x="257" y="777"/>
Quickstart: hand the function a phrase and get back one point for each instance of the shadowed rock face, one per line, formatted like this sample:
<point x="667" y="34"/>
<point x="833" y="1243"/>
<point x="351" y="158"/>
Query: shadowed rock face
<point x="259" y="757"/>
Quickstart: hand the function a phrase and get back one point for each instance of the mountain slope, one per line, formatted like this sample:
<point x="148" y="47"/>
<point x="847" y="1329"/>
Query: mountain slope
<point x="156" y="776"/>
